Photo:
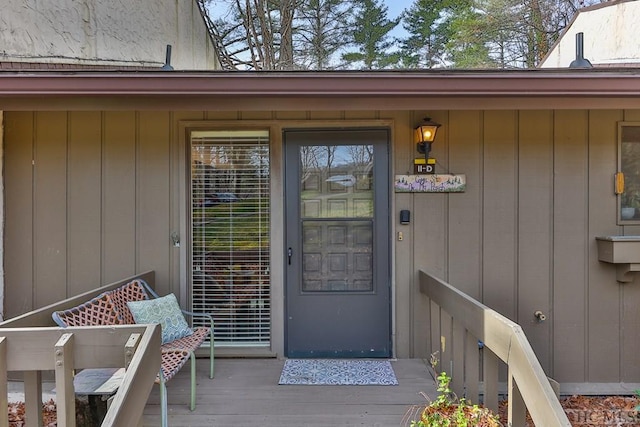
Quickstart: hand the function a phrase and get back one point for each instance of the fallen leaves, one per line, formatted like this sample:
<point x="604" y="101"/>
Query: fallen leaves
<point x="17" y="416"/>
<point x="594" y="411"/>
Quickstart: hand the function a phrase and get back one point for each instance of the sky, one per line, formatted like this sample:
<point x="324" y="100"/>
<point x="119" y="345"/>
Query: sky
<point x="395" y="9"/>
<point x="397" y="6"/>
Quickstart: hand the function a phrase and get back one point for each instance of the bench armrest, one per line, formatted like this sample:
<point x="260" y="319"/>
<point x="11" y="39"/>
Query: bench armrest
<point x="204" y="315"/>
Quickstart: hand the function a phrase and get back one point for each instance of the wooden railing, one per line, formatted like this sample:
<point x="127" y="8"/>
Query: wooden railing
<point x="31" y="344"/>
<point x="470" y="340"/>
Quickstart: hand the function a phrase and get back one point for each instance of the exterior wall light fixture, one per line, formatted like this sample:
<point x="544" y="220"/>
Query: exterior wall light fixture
<point x="424" y="135"/>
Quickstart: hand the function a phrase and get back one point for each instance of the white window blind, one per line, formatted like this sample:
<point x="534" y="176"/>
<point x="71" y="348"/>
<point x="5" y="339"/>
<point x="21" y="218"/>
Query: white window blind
<point x="230" y="234"/>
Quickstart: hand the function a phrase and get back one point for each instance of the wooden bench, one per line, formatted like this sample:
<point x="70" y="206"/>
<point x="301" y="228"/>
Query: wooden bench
<point x="110" y="308"/>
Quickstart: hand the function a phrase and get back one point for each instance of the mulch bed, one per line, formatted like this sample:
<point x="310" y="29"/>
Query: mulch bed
<point x="582" y="411"/>
<point x="49" y="418"/>
<point x="594" y="411"/>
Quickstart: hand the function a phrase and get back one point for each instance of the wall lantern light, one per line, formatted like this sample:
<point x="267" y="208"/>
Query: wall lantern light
<point x="424" y="135"/>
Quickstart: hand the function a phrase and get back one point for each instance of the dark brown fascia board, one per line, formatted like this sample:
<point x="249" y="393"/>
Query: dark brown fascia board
<point x="529" y="83"/>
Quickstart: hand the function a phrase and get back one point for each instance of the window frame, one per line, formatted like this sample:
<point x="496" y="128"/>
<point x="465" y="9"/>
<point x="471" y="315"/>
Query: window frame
<point x="619" y="219"/>
<point x="230" y="320"/>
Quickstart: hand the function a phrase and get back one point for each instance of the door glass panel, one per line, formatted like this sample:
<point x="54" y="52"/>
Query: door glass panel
<point x="337" y="217"/>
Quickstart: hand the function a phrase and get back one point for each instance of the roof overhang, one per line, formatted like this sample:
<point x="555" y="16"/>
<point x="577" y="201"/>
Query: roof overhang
<point x="530" y="89"/>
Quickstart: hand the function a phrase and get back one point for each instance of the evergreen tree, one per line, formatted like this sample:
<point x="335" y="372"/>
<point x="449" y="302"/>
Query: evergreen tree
<point x="514" y="33"/>
<point x="468" y="45"/>
<point x="424" y="46"/>
<point x="370" y="36"/>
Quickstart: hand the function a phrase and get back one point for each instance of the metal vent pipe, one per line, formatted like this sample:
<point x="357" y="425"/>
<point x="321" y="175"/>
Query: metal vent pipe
<point x="167" y="62"/>
<point x="580" y="61"/>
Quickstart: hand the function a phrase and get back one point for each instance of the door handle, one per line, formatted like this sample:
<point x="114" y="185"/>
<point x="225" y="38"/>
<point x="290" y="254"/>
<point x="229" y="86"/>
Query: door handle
<point x="289" y="254"/>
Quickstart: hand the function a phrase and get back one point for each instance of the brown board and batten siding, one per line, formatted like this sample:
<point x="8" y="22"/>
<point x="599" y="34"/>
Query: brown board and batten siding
<point x="88" y="202"/>
<point x="522" y="236"/>
<point x="92" y="197"/>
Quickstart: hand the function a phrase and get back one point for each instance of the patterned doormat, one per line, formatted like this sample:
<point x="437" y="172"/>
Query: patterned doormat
<point x="338" y="372"/>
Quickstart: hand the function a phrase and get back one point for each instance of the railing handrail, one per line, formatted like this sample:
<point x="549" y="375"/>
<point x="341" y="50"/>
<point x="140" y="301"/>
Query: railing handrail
<point x="507" y="340"/>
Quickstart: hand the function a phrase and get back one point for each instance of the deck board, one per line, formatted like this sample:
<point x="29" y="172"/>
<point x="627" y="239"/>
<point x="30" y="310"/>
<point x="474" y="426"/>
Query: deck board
<point x="245" y="392"/>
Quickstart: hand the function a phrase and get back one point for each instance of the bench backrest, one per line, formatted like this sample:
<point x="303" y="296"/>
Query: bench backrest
<point x="132" y="291"/>
<point x="108" y="308"/>
<point x="95" y="312"/>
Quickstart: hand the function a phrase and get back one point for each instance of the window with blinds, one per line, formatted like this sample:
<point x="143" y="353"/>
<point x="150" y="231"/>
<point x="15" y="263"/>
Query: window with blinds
<point x="230" y="234"/>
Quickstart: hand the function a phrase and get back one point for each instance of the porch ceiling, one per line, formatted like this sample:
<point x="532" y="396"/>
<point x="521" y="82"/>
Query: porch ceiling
<point x="405" y="90"/>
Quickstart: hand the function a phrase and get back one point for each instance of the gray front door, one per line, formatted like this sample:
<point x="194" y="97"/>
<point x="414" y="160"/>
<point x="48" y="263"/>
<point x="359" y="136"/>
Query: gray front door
<point x="337" y="234"/>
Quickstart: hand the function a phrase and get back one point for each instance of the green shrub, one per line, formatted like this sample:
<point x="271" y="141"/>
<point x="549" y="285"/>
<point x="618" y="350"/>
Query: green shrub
<point x="449" y="411"/>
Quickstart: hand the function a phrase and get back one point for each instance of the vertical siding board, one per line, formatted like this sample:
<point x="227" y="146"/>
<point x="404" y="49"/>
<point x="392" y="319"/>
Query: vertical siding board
<point x="411" y="319"/>
<point x="179" y="186"/>
<point x="604" y="291"/>
<point x="119" y="196"/>
<point x="535" y="211"/>
<point x="569" y="245"/>
<point x="153" y="219"/>
<point x="84" y="202"/>
<point x="430" y="239"/>
<point x="630" y="301"/>
<point x="499" y="211"/>
<point x="18" y="181"/>
<point x="429" y="242"/>
<point x="50" y="208"/>
<point x="465" y="209"/>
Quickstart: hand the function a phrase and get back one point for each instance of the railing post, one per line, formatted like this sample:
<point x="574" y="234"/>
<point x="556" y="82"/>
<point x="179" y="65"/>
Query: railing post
<point x="65" y="393"/>
<point x="458" y="358"/>
<point x="130" y="348"/>
<point x="446" y="342"/>
<point x="517" y="410"/>
<point x="4" y="419"/>
<point x="490" y="376"/>
<point x="33" y="397"/>
<point x="471" y="367"/>
<point x="434" y="335"/>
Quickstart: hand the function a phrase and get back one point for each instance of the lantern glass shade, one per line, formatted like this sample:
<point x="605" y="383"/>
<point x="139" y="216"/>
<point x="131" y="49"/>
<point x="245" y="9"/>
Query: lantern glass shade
<point x="426" y="132"/>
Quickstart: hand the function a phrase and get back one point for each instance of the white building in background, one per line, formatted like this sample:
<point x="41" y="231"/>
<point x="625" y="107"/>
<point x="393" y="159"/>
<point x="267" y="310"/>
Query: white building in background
<point x="610" y="36"/>
<point x="114" y="33"/>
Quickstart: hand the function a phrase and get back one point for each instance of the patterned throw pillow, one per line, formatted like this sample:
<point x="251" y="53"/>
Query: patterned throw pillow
<point x="165" y="311"/>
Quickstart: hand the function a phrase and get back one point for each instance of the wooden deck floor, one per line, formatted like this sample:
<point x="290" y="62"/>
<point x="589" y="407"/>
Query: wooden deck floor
<point x="245" y="392"/>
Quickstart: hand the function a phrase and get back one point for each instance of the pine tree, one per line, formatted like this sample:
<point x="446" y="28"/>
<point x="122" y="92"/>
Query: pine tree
<point x="468" y="45"/>
<point x="424" y="46"/>
<point x="370" y="36"/>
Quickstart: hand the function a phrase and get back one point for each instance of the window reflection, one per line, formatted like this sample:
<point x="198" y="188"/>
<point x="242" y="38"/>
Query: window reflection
<point x="630" y="167"/>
